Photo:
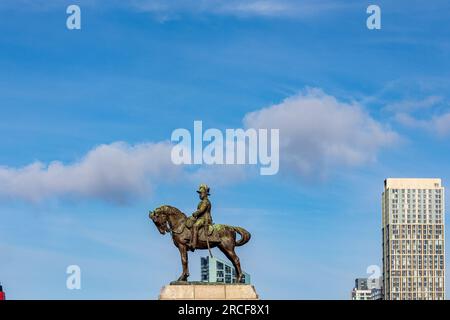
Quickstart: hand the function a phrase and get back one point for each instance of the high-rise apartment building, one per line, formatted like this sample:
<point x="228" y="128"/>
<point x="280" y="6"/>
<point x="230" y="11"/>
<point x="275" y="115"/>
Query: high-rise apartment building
<point x="413" y="239"/>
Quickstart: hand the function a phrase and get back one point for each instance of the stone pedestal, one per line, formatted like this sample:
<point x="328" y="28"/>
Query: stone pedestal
<point x="208" y="291"/>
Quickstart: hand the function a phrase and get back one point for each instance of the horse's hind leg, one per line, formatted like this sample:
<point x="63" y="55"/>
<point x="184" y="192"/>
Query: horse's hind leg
<point x="232" y="256"/>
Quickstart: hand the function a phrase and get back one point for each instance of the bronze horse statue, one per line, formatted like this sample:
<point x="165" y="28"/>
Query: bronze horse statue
<point x="170" y="219"/>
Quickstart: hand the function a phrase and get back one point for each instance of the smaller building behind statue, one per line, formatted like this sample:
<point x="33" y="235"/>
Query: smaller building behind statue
<point x="220" y="271"/>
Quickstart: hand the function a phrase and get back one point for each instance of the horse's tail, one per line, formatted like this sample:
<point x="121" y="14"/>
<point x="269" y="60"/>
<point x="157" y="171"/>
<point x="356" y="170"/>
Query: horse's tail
<point x="245" y="236"/>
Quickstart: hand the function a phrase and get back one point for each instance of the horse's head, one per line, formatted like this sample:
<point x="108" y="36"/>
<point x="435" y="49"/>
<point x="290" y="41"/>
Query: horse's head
<point x="160" y="218"/>
<point x="166" y="218"/>
<point x="163" y="217"/>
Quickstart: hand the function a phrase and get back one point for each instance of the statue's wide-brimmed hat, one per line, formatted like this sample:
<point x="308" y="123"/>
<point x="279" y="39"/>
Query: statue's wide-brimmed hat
<point x="203" y="188"/>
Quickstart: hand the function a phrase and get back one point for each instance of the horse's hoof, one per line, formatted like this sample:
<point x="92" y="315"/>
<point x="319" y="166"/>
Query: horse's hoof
<point x="183" y="278"/>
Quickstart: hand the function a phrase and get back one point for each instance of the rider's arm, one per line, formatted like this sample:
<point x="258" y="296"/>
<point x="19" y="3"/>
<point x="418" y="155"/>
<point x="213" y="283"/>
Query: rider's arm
<point x="201" y="210"/>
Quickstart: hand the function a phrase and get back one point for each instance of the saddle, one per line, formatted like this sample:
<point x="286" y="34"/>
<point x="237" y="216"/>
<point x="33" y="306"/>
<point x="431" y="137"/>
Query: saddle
<point x="190" y="222"/>
<point x="212" y="236"/>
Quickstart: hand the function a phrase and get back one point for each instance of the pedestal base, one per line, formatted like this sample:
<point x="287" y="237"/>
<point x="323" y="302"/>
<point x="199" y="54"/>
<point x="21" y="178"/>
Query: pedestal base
<point x="208" y="291"/>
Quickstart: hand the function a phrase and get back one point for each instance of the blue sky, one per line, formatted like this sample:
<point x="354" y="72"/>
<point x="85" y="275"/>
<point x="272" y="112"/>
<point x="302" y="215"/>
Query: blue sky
<point x="104" y="100"/>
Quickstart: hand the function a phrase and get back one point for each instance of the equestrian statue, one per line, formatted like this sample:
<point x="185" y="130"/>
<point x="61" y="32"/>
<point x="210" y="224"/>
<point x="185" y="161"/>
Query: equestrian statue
<point x="199" y="232"/>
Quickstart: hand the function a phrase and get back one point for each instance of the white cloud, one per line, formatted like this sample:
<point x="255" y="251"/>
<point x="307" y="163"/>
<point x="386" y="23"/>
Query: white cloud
<point x="409" y="121"/>
<point x="318" y="133"/>
<point x="230" y="7"/>
<point x="413" y="105"/>
<point x="261" y="8"/>
<point x="116" y="172"/>
<point x="429" y="114"/>
<point x="439" y="125"/>
<point x="169" y="9"/>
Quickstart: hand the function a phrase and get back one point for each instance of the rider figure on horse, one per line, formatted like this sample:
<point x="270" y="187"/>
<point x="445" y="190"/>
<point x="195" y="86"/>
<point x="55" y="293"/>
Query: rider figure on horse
<point x="202" y="216"/>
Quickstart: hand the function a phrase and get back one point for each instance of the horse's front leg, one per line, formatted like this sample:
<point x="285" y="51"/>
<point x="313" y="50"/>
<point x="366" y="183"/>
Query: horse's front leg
<point x="184" y="261"/>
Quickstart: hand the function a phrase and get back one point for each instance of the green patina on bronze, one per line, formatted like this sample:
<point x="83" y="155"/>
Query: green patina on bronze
<point x="199" y="232"/>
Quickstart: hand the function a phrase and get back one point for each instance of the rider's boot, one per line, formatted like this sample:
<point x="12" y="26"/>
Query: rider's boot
<point x="193" y="243"/>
